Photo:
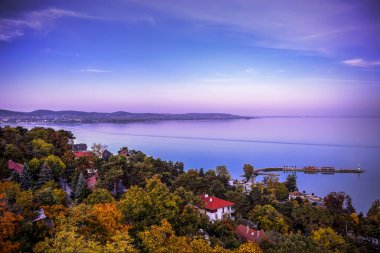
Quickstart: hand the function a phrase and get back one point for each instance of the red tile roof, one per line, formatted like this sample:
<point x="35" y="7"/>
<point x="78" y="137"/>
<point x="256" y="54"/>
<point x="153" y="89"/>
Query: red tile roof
<point x="91" y="181"/>
<point x="15" y="166"/>
<point x="79" y="154"/>
<point x="213" y="203"/>
<point x="250" y="234"/>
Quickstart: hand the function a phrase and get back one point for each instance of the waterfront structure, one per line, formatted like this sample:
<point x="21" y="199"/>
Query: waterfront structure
<point x="216" y="208"/>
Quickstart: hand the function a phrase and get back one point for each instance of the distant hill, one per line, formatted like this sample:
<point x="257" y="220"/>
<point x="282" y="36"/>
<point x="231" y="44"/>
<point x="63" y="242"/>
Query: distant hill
<point x="97" y="117"/>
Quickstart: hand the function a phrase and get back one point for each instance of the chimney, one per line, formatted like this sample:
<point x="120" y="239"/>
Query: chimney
<point x="247" y="229"/>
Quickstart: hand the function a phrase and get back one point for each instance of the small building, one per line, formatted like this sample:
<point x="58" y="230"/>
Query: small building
<point x="247" y="234"/>
<point x="91" y="181"/>
<point x="216" y="208"/>
<point x="106" y="155"/>
<point x="244" y="184"/>
<point x="304" y="196"/>
<point x="80" y="147"/>
<point x="17" y="167"/>
<point x="124" y="152"/>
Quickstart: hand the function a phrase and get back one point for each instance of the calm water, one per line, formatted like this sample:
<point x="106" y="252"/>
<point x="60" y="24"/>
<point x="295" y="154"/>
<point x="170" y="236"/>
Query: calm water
<point x="342" y="143"/>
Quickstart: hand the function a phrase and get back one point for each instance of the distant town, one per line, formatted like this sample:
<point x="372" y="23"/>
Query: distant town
<point x="47" y="116"/>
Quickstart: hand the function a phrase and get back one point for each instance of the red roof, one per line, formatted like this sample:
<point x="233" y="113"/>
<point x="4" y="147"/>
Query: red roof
<point x="15" y="166"/>
<point x="250" y="234"/>
<point x="213" y="203"/>
<point x="79" y="154"/>
<point x="91" y="181"/>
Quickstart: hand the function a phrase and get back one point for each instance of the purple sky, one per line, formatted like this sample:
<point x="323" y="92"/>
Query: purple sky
<point x="241" y="57"/>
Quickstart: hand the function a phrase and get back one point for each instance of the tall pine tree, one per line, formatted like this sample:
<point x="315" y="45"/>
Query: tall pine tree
<point x="81" y="190"/>
<point x="26" y="178"/>
<point x="44" y="176"/>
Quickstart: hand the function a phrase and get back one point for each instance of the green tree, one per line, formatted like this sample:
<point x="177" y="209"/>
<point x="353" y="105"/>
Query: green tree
<point x="291" y="182"/>
<point x="41" y="148"/>
<point x="248" y="171"/>
<point x="26" y="178"/>
<point x="268" y="218"/>
<point x="56" y="165"/>
<point x="99" y="196"/>
<point x="308" y="218"/>
<point x="222" y="171"/>
<point x="44" y="175"/>
<point x="81" y="190"/>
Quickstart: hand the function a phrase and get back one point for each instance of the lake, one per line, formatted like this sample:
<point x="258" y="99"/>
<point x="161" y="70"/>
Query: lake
<point x="343" y="143"/>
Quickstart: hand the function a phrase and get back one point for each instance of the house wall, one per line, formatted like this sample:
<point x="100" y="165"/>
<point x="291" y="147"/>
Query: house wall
<point x="219" y="213"/>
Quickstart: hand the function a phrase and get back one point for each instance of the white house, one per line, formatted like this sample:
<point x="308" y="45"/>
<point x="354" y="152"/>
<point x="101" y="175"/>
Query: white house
<point x="216" y="208"/>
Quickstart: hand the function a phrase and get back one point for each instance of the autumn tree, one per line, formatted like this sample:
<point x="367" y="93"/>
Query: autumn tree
<point x="328" y="240"/>
<point x="8" y="224"/>
<point x="268" y="218"/>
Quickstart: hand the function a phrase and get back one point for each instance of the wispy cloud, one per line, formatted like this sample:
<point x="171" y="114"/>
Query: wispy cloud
<point x="249" y="70"/>
<point x="58" y="52"/>
<point x="361" y="63"/>
<point x="90" y="70"/>
<point x="12" y="28"/>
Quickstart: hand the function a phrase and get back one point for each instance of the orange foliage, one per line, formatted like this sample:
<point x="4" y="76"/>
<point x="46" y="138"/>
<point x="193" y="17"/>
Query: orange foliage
<point x="8" y="226"/>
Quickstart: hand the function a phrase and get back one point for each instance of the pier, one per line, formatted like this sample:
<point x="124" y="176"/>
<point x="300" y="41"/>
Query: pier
<point x="307" y="169"/>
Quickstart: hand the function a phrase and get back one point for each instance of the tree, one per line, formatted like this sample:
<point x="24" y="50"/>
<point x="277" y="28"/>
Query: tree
<point x="290" y="243"/>
<point x="55" y="164"/>
<point x="374" y="210"/>
<point x="308" y="218"/>
<point x="50" y="194"/>
<point x="248" y="171"/>
<point x="26" y="177"/>
<point x="44" y="175"/>
<point x="8" y="224"/>
<point x="291" y="182"/>
<point x="163" y="239"/>
<point x="81" y="190"/>
<point x="99" y="196"/>
<point x="69" y="240"/>
<point x="146" y="207"/>
<point x="222" y="171"/>
<point x="268" y="218"/>
<point x="41" y="148"/>
<point x="328" y="240"/>
<point x="98" y="149"/>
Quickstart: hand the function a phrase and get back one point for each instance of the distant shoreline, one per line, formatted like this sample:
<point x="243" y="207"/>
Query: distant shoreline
<point x="80" y="117"/>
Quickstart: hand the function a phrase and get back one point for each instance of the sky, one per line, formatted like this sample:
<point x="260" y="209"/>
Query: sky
<point x="242" y="57"/>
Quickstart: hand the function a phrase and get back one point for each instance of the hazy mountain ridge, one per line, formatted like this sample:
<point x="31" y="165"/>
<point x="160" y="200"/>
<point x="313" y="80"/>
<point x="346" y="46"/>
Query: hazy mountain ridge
<point x="97" y="117"/>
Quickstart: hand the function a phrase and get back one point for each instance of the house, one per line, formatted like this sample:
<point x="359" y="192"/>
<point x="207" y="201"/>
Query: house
<point x="79" y="154"/>
<point x="80" y="147"/>
<point x="106" y="155"/>
<point x="247" y="234"/>
<point x="17" y="167"/>
<point x="124" y="152"/>
<point x="216" y="208"/>
<point x="304" y="196"/>
<point x="91" y="181"/>
<point x="40" y="215"/>
<point x="244" y="184"/>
